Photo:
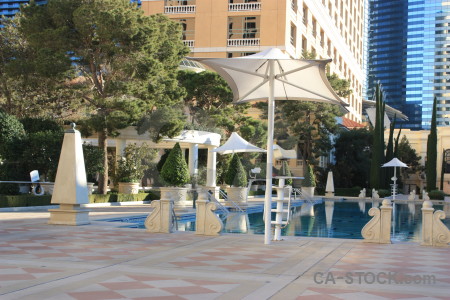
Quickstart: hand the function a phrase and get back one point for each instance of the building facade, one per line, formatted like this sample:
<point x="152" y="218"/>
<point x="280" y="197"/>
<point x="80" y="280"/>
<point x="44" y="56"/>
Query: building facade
<point x="409" y="45"/>
<point x="232" y="28"/>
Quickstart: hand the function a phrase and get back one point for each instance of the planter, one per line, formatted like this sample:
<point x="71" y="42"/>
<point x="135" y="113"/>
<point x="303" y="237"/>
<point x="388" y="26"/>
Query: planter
<point x="237" y="194"/>
<point x="177" y="194"/>
<point x="287" y="191"/>
<point x="308" y="191"/>
<point x="128" y="187"/>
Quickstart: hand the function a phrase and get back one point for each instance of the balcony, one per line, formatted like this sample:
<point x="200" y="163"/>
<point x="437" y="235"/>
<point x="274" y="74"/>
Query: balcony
<point x="243" y="42"/>
<point x="189" y="43"/>
<point x="255" y="6"/>
<point x="180" y="9"/>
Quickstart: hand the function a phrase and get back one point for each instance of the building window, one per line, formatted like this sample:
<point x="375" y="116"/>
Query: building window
<point x="293" y="35"/>
<point x="305" y="15"/>
<point x="314" y="27"/>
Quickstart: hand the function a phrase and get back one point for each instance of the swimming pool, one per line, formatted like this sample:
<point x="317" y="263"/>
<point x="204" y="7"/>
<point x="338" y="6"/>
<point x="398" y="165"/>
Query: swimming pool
<point x="337" y="219"/>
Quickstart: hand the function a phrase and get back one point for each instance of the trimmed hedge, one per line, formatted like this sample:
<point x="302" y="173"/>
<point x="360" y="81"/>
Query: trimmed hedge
<point x="32" y="200"/>
<point x="350" y="192"/>
<point x="24" y="200"/>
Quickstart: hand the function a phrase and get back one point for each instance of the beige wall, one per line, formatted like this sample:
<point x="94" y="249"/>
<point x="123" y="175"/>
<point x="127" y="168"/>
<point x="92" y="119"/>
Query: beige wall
<point x="418" y="141"/>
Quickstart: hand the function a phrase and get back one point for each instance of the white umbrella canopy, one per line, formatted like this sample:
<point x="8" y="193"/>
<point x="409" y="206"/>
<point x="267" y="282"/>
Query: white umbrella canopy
<point x="280" y="153"/>
<point x="271" y="75"/>
<point x="295" y="79"/>
<point x="395" y="162"/>
<point x="237" y="144"/>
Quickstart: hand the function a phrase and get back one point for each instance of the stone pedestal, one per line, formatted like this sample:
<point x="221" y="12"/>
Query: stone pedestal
<point x="69" y="214"/>
<point x="207" y="222"/>
<point x="378" y="229"/>
<point x="434" y="232"/>
<point x="160" y="220"/>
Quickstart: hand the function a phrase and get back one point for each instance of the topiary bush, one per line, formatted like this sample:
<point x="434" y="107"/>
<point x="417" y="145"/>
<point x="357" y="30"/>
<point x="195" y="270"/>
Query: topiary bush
<point x="436" y="195"/>
<point x="236" y="175"/>
<point x="310" y="179"/>
<point x="175" y="170"/>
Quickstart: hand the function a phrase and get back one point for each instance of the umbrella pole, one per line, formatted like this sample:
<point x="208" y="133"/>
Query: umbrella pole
<point x="270" y="125"/>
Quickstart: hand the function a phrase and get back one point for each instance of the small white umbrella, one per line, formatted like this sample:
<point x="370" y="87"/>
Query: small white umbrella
<point x="237" y="144"/>
<point x="271" y="75"/>
<point x="395" y="162"/>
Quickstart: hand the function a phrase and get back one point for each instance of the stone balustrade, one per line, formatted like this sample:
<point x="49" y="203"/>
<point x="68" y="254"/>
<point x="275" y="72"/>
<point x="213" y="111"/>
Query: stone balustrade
<point x="179" y="9"/>
<point x="244" y="6"/>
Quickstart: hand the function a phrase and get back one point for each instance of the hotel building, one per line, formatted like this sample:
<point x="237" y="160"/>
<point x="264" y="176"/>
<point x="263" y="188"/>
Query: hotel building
<point x="231" y="28"/>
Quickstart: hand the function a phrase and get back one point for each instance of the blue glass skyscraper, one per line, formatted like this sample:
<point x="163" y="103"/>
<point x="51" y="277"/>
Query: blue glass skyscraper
<point x="9" y="8"/>
<point x="409" y="52"/>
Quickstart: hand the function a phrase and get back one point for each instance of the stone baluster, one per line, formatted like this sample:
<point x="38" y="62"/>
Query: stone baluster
<point x="206" y="222"/>
<point x="378" y="229"/>
<point x="434" y="232"/>
<point x="160" y="220"/>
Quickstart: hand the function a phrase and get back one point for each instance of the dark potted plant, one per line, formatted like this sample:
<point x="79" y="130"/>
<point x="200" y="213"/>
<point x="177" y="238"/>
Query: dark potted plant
<point x="236" y="178"/>
<point x="131" y="167"/>
<point x="175" y="174"/>
<point x="93" y="162"/>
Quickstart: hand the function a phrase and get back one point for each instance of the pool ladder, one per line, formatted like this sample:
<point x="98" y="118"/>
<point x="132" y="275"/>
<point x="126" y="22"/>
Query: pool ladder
<point x="282" y="212"/>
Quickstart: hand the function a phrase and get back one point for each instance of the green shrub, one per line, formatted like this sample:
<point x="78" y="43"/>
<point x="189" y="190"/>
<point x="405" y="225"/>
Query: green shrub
<point x="310" y="178"/>
<point x="436" y="195"/>
<point x="131" y="167"/>
<point x="384" y="193"/>
<point x="93" y="161"/>
<point x="11" y="131"/>
<point x="175" y="170"/>
<point x="236" y="175"/>
<point x="24" y="200"/>
<point x="9" y="188"/>
<point x="349" y="192"/>
<point x="99" y="198"/>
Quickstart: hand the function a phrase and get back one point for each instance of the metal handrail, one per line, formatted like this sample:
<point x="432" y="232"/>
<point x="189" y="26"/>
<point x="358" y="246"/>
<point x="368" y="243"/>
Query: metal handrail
<point x="234" y="204"/>
<point x="220" y="207"/>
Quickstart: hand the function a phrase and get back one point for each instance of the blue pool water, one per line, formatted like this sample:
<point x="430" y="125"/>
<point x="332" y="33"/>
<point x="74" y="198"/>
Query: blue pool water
<point x="343" y="219"/>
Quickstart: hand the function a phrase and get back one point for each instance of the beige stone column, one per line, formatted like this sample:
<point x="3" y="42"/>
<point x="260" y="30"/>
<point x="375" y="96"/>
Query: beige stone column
<point x="427" y="223"/>
<point x="70" y="189"/>
<point x="193" y="159"/>
<point x="211" y="167"/>
<point x="386" y="221"/>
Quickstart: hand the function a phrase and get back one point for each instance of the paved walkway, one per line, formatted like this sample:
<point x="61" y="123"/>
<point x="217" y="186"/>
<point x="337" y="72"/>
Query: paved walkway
<point x="101" y="261"/>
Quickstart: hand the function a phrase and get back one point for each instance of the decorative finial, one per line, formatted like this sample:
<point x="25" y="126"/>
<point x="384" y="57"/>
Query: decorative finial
<point x="72" y="128"/>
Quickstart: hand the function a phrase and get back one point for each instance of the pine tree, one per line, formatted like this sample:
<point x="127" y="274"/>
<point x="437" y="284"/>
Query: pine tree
<point x="432" y="151"/>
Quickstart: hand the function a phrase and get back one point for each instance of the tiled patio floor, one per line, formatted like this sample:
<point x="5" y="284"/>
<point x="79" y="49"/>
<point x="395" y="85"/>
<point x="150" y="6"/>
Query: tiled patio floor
<point x="101" y="261"/>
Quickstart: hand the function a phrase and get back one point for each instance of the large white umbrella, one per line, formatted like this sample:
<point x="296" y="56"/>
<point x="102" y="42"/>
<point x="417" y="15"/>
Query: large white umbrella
<point x="271" y="75"/>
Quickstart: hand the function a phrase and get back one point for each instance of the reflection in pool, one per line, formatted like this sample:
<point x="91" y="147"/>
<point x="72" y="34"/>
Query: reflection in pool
<point x="327" y="218"/>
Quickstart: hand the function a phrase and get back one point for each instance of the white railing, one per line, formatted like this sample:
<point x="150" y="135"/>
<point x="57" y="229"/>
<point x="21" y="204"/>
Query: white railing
<point x="189" y="43"/>
<point x="181" y="9"/>
<point x="244" y="6"/>
<point x="242" y="42"/>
